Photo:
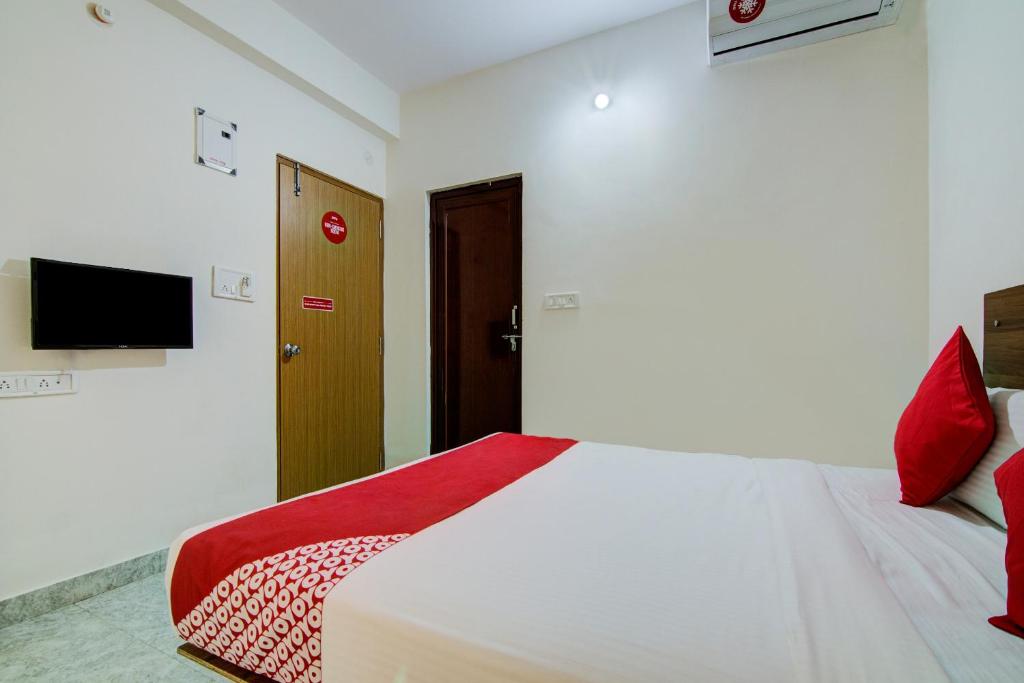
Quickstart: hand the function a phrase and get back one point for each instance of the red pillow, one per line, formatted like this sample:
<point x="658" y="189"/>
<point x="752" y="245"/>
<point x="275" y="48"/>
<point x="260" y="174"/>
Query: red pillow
<point x="946" y="428"/>
<point x="1010" y="484"/>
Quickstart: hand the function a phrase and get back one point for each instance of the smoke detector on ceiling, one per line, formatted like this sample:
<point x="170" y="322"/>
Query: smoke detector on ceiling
<point x="103" y="13"/>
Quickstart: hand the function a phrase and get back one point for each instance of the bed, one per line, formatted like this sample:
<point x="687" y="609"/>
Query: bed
<point x="519" y="558"/>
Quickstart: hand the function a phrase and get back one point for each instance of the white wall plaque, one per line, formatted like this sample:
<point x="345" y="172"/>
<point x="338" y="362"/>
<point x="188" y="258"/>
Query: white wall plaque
<point x="215" y="142"/>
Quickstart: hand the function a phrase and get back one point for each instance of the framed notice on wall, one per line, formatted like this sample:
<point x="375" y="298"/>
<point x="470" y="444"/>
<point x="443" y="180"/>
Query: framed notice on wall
<point x="215" y="142"/>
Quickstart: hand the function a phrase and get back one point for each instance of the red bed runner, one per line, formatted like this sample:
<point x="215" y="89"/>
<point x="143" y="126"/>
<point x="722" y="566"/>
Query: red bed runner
<point x="250" y="590"/>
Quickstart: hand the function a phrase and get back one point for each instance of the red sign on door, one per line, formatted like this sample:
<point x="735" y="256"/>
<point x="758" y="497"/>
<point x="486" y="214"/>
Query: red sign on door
<point x="315" y="303"/>
<point x="745" y="11"/>
<point x="334" y="227"/>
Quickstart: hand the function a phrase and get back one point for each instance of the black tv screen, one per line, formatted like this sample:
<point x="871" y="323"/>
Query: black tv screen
<point x="76" y="306"/>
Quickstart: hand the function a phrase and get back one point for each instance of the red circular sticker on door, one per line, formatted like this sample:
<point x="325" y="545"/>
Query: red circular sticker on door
<point x="334" y="227"/>
<point x="745" y="11"/>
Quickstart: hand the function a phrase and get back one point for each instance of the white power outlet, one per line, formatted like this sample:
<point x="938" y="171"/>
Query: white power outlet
<point x="239" y="285"/>
<point x="553" y="302"/>
<point x="37" y="384"/>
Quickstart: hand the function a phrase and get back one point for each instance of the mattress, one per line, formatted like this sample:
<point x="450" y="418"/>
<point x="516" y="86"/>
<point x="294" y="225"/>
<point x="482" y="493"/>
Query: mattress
<point x="613" y="563"/>
<point x="944" y="564"/>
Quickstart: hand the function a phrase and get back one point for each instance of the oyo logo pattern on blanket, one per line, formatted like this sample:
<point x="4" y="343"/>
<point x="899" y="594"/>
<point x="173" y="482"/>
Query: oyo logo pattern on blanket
<point x="266" y="615"/>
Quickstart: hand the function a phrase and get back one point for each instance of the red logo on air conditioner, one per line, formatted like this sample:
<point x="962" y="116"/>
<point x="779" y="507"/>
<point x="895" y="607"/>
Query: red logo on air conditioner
<point x="745" y="11"/>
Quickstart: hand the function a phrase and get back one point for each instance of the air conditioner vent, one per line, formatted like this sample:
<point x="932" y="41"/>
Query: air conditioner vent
<point x="741" y="29"/>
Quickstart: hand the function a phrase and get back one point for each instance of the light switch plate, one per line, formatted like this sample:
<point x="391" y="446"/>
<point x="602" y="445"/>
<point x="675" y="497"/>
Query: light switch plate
<point x="238" y="285"/>
<point x="49" y="383"/>
<point x="554" y="302"/>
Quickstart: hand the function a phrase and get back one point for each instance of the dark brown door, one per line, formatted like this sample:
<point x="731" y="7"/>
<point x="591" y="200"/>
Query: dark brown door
<point x="476" y="312"/>
<point x="330" y="392"/>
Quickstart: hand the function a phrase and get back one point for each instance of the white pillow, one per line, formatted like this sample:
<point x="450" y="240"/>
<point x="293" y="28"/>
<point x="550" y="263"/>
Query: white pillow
<point x="979" y="488"/>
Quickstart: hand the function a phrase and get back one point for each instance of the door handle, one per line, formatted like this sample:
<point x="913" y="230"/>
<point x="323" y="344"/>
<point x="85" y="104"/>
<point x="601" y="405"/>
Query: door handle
<point x="512" y="339"/>
<point x="292" y="350"/>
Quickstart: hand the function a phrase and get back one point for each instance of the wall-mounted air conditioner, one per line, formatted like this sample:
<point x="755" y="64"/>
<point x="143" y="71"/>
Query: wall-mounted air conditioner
<point x="741" y="29"/>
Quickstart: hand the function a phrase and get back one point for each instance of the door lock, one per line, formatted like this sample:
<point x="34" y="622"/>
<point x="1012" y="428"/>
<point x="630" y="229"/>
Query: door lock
<point x="512" y="339"/>
<point x="292" y="350"/>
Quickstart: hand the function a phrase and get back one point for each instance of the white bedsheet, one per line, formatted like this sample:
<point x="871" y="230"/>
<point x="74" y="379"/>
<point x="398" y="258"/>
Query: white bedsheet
<point x="945" y="566"/>
<point x="624" y="564"/>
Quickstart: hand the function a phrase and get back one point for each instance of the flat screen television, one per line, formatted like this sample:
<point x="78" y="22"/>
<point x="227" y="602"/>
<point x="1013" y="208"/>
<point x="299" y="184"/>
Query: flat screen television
<point x="76" y="306"/>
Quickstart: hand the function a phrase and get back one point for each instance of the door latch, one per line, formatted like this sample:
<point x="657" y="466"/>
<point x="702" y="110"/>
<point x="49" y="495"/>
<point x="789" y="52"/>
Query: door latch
<point x="512" y="339"/>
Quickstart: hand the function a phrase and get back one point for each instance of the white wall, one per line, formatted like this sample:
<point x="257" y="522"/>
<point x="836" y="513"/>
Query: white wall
<point x="96" y="131"/>
<point x="277" y="40"/>
<point x="976" y="102"/>
<point x="750" y="241"/>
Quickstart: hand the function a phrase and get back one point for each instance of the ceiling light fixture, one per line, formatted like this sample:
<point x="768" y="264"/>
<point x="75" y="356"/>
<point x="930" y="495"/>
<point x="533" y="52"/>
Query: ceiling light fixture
<point x="602" y="101"/>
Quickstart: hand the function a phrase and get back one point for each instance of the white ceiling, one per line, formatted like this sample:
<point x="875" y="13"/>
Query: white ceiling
<point x="410" y="44"/>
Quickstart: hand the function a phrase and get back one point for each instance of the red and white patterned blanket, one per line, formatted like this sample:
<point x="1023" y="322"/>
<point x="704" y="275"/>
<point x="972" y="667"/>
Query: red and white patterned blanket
<point x="251" y="590"/>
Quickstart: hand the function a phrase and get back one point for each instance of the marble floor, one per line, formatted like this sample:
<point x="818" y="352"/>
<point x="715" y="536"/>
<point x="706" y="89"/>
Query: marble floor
<point x="124" y="635"/>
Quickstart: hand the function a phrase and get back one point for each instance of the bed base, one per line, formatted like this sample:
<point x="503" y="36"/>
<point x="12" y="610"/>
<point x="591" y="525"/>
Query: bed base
<point x="225" y="669"/>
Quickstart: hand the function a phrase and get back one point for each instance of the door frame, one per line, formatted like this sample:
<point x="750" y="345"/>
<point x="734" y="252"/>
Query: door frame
<point x="435" y="284"/>
<point x="320" y="175"/>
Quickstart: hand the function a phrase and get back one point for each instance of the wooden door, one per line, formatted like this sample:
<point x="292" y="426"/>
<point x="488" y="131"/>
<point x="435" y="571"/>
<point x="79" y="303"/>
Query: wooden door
<point x="330" y="305"/>
<point x="476" y="312"/>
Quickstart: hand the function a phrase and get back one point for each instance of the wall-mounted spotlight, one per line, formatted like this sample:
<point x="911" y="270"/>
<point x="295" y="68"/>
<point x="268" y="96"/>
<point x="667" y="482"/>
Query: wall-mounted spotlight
<point x="602" y="101"/>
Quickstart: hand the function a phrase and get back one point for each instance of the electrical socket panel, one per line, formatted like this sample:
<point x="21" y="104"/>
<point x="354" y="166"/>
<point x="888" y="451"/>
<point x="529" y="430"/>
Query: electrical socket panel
<point x="554" y="302"/>
<point x="238" y="285"/>
<point x="13" y="385"/>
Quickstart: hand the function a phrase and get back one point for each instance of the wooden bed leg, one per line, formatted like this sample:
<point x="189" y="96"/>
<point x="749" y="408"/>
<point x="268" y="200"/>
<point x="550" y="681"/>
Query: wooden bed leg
<point x="225" y="669"/>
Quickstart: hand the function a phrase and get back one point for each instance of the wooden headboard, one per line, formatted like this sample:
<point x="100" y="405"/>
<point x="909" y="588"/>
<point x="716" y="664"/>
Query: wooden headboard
<point x="1004" y="338"/>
